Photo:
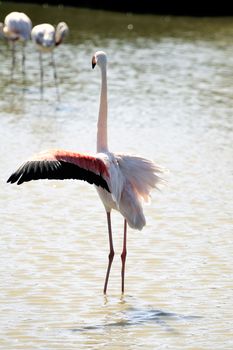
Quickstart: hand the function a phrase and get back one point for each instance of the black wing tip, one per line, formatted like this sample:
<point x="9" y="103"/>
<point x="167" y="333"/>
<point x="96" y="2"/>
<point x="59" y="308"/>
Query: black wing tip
<point x="12" y="179"/>
<point x="18" y="175"/>
<point x="55" y="170"/>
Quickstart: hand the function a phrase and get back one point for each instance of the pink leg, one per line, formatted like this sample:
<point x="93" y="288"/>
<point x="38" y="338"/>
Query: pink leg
<point x="111" y="253"/>
<point x="123" y="258"/>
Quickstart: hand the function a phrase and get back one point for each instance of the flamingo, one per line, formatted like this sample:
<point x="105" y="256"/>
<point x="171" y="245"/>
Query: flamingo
<point x="17" y="27"/>
<point x="46" y="38"/>
<point x="122" y="181"/>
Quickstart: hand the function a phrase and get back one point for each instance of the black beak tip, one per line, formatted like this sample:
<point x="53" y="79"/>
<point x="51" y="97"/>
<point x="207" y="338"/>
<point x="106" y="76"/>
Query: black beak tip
<point x="93" y="65"/>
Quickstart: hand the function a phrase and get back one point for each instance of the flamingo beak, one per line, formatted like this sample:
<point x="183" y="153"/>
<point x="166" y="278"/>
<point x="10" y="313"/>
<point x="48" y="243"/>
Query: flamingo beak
<point x="93" y="62"/>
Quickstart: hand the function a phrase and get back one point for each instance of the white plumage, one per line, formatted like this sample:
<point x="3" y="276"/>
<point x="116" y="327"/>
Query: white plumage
<point x="47" y="37"/>
<point x="17" y="26"/>
<point x="131" y="180"/>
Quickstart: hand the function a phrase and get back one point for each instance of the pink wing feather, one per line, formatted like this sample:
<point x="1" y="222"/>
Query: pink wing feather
<point x="60" y="165"/>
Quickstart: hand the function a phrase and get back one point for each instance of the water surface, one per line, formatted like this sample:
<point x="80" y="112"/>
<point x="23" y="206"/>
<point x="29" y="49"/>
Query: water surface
<point x="170" y="99"/>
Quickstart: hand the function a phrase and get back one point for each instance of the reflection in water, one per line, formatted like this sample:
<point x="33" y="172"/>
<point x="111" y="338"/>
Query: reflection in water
<point x="138" y="317"/>
<point x="53" y="64"/>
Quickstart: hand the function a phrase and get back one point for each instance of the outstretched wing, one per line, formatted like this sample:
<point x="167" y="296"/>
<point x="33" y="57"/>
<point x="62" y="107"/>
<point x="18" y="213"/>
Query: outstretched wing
<point x="61" y="165"/>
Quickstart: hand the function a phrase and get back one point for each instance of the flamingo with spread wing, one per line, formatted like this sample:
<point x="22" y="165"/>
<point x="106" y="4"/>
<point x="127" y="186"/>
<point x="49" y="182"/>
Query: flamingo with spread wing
<point x="123" y="181"/>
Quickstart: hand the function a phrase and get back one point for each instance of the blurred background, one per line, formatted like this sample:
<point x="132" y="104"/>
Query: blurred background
<point x="178" y="7"/>
<point x="170" y="100"/>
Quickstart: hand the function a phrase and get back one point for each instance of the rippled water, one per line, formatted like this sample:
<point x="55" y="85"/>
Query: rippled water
<point x="170" y="99"/>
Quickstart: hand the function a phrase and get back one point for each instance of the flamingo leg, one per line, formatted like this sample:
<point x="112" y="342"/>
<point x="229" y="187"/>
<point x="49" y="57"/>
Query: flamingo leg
<point x="123" y="258"/>
<point x="13" y="59"/>
<point x="23" y="59"/>
<point x="55" y="75"/>
<point x="41" y="75"/>
<point x="111" y="252"/>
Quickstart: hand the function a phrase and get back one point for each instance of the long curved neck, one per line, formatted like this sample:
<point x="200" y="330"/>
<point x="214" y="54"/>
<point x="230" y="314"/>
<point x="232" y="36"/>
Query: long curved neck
<point x="102" y="133"/>
<point x="58" y="37"/>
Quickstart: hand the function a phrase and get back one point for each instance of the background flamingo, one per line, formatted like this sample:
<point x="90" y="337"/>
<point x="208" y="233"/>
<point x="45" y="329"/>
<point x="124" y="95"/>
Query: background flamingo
<point x="122" y="181"/>
<point x="17" y="27"/>
<point x="47" y="38"/>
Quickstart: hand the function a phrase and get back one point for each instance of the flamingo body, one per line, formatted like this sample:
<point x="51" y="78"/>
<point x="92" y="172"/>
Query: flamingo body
<point x="123" y="181"/>
<point x="17" y="26"/>
<point x="44" y="36"/>
<point x="131" y="180"/>
<point x="47" y="37"/>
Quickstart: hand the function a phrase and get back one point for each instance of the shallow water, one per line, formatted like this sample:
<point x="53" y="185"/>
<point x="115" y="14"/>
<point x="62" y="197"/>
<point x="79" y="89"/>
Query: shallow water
<point x="170" y="99"/>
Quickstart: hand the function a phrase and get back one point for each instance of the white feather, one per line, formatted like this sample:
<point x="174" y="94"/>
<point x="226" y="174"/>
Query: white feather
<point x="116" y="179"/>
<point x="131" y="179"/>
<point x="143" y="174"/>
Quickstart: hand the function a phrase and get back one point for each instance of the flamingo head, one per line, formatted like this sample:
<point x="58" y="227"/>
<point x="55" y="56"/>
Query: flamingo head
<point x="99" y="59"/>
<point x="62" y="31"/>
